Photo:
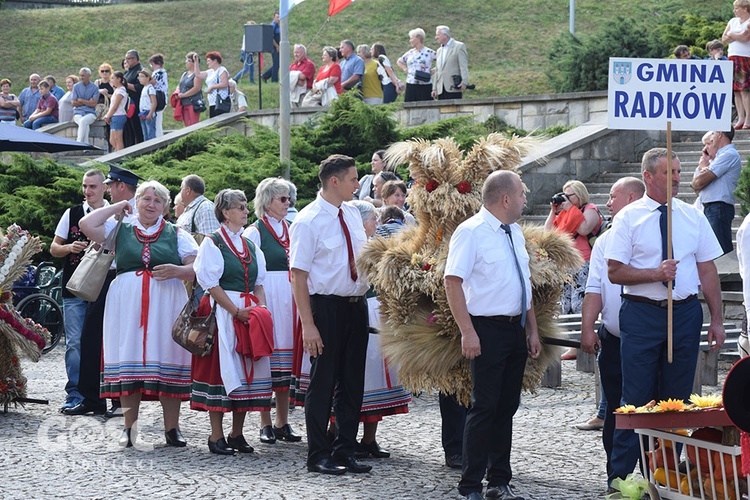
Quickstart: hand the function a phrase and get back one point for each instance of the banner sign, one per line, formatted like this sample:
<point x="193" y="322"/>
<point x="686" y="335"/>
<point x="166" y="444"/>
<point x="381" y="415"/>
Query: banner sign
<point x="693" y="94"/>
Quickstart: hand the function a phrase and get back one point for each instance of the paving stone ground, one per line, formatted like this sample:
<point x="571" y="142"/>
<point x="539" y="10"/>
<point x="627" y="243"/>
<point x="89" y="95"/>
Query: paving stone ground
<point x="48" y="455"/>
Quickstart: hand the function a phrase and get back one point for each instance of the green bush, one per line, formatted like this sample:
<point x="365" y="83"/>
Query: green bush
<point x="693" y="31"/>
<point x="582" y="64"/>
<point x="743" y="190"/>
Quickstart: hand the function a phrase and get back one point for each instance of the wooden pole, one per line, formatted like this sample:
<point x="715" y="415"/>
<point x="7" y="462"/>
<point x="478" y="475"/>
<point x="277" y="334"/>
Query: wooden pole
<point x="669" y="240"/>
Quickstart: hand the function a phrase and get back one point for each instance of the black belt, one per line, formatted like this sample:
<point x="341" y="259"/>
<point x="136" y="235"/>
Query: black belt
<point x="657" y="303"/>
<point x="714" y="202"/>
<point x="505" y="319"/>
<point x="340" y="298"/>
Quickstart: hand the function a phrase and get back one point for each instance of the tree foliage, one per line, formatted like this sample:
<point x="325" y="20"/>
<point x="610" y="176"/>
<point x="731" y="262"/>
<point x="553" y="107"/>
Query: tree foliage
<point x="582" y="64"/>
<point x="691" y="30"/>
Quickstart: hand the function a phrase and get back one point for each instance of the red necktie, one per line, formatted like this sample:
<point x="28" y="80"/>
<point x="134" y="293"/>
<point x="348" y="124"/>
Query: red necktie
<point x="349" y="249"/>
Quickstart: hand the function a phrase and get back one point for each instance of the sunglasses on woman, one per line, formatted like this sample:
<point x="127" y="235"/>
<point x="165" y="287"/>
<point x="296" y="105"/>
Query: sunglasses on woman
<point x="283" y="199"/>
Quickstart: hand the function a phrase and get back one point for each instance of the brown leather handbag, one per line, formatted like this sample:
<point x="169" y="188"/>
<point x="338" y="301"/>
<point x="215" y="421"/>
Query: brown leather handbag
<point x="195" y="327"/>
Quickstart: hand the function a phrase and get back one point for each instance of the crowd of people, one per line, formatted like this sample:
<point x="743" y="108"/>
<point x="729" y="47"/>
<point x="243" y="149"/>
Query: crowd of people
<point x="247" y="271"/>
<point x="430" y="74"/>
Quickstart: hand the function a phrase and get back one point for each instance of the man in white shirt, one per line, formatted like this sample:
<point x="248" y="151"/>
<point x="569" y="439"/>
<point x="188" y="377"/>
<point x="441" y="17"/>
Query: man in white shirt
<point x="326" y="237"/>
<point x="488" y="286"/>
<point x="69" y="244"/>
<point x="636" y="258"/>
<point x="602" y="296"/>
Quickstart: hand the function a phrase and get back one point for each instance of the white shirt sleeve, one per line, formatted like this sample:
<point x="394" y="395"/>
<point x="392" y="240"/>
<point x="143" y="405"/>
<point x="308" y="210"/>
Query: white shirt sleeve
<point x="461" y="254"/>
<point x="63" y="225"/>
<point x="209" y="264"/>
<point x="251" y="233"/>
<point x="186" y="244"/>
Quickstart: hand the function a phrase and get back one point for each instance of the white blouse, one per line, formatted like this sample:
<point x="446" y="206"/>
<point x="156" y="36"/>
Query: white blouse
<point x="209" y="265"/>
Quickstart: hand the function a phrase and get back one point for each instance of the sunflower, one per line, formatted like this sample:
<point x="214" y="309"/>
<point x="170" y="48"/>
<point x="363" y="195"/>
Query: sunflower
<point x="707" y="401"/>
<point x="670" y="405"/>
<point x="626" y="409"/>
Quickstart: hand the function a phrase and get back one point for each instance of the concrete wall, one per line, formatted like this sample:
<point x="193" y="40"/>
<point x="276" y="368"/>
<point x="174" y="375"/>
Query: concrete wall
<point x="529" y="112"/>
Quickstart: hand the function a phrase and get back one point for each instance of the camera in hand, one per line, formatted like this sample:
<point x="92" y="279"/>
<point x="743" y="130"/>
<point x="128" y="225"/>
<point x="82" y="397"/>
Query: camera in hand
<point x="558" y="199"/>
<point x="457" y="83"/>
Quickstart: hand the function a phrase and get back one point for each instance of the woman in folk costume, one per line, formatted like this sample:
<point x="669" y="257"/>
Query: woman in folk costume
<point x="141" y="361"/>
<point x="384" y="395"/>
<point x="232" y="269"/>
<point x="271" y="234"/>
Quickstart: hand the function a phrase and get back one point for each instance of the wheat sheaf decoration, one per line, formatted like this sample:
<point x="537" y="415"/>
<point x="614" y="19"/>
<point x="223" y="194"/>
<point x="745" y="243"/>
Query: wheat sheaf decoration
<point x="418" y="332"/>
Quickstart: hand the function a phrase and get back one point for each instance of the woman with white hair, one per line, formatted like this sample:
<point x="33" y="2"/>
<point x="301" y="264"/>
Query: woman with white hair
<point x="417" y="63"/>
<point x="270" y="233"/>
<point x="152" y="257"/>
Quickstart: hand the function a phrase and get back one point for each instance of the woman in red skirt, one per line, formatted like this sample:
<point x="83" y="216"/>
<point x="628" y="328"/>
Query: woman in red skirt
<point x="231" y="268"/>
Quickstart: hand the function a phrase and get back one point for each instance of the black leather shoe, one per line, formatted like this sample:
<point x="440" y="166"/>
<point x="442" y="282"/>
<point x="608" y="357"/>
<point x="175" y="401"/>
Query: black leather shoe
<point x="326" y="466"/>
<point x="83" y="408"/>
<point x="474" y="495"/>
<point x="454" y="461"/>
<point x="286" y="433"/>
<point x="352" y="465"/>
<point x="125" y="439"/>
<point x="239" y="444"/>
<point x="220" y="447"/>
<point x="374" y="449"/>
<point x="115" y="410"/>
<point x="267" y="436"/>
<point x="502" y="492"/>
<point x="174" y="438"/>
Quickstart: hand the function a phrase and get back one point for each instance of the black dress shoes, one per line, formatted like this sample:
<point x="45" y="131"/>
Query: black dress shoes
<point x="360" y="452"/>
<point x="239" y="444"/>
<point x="286" y="433"/>
<point x="84" y="408"/>
<point x="326" y="466"/>
<point x="374" y="449"/>
<point x="502" y="492"/>
<point x="267" y="436"/>
<point x="125" y="439"/>
<point x="454" y="461"/>
<point x="474" y="495"/>
<point x="220" y="447"/>
<point x="174" y="438"/>
<point x="353" y="466"/>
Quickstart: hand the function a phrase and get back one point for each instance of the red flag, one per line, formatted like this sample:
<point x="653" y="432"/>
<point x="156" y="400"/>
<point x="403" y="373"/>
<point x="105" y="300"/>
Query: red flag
<point x="336" y="6"/>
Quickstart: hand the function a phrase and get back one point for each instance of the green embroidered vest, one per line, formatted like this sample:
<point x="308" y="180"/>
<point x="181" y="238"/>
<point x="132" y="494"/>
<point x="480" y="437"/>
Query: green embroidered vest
<point x="233" y="277"/>
<point x="276" y="259"/>
<point x="128" y="249"/>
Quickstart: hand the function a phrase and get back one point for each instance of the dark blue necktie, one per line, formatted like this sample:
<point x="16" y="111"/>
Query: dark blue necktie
<point x="506" y="228"/>
<point x="663" y="229"/>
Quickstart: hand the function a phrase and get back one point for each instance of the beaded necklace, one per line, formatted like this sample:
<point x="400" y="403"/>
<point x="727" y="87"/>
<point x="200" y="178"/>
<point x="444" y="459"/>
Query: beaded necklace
<point x="245" y="257"/>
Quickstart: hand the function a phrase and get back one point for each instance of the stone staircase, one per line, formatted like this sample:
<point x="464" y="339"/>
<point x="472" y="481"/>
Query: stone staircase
<point x="687" y="145"/>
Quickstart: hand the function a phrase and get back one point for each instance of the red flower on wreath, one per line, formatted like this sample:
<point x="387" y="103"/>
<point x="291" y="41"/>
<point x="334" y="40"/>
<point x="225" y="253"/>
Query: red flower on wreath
<point x="431" y="185"/>
<point x="464" y="187"/>
<point x="426" y="267"/>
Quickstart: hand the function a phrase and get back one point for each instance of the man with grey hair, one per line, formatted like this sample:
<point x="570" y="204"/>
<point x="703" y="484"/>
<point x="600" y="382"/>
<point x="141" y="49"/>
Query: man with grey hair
<point x="637" y="258"/>
<point x="495" y="316"/>
<point x="198" y="217"/>
<point x="29" y="97"/>
<point x="304" y="76"/>
<point x="451" y="66"/>
<point x="352" y="66"/>
<point x="84" y="99"/>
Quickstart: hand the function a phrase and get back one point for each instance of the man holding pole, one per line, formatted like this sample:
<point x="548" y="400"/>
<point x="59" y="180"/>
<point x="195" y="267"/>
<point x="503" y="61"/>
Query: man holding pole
<point x="638" y="258"/>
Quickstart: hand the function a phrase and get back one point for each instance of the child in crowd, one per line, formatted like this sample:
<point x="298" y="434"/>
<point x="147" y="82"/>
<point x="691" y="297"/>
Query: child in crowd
<point x="147" y="105"/>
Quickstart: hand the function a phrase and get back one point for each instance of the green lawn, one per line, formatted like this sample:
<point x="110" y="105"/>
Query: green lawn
<point x="507" y="41"/>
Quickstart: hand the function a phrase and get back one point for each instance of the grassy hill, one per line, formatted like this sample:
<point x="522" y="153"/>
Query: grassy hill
<point x="508" y="41"/>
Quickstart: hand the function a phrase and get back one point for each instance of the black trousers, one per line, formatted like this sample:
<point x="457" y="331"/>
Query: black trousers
<point x="497" y="375"/>
<point x="453" y="420"/>
<point x="610" y="373"/>
<point x="91" y="347"/>
<point x="444" y="95"/>
<point x="337" y="376"/>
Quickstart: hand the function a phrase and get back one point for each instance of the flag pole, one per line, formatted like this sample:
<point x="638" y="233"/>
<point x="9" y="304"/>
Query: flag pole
<point x="670" y="284"/>
<point x="285" y="107"/>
